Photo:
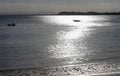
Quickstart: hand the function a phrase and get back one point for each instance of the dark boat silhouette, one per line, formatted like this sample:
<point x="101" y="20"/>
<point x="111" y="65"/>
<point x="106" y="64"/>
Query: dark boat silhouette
<point x="76" y="20"/>
<point x="13" y="24"/>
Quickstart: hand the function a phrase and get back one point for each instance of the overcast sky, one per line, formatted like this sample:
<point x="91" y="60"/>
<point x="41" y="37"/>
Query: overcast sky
<point x="54" y="6"/>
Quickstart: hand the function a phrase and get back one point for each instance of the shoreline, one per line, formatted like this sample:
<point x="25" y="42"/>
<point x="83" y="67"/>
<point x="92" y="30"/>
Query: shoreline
<point x="86" y="69"/>
<point x="57" y="15"/>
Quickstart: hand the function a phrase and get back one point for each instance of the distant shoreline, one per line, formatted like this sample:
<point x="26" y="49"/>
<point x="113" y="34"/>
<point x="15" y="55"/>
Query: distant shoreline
<point x="88" y="13"/>
<point x="67" y="13"/>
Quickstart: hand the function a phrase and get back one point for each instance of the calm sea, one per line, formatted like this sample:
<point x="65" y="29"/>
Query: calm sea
<point x="38" y="41"/>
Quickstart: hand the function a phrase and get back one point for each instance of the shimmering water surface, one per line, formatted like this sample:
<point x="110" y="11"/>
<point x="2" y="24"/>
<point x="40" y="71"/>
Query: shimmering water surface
<point x="38" y="41"/>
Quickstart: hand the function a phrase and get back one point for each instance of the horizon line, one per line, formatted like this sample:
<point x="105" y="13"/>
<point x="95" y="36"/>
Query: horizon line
<point x="58" y="13"/>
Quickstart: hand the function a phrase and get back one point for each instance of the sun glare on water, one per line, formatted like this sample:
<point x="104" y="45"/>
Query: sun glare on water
<point x="71" y="42"/>
<point x="85" y="21"/>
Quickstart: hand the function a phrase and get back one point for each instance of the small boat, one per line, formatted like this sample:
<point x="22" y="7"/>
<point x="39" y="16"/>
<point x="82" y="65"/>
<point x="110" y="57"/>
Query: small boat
<point x="76" y="20"/>
<point x="13" y="24"/>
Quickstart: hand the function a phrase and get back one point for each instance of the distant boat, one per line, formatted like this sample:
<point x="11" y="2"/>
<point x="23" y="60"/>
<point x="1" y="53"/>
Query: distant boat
<point x="13" y="24"/>
<point x="76" y="20"/>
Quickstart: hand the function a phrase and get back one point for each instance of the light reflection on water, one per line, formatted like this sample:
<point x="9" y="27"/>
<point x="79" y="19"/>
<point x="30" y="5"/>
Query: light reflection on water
<point x="71" y="42"/>
<point x="58" y="40"/>
<point x="68" y="20"/>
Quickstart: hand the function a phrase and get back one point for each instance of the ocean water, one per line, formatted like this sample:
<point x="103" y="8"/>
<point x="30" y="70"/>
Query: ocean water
<point x="52" y="40"/>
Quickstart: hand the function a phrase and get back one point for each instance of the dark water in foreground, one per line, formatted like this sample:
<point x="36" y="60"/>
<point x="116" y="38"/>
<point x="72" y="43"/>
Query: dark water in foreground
<point x="38" y="41"/>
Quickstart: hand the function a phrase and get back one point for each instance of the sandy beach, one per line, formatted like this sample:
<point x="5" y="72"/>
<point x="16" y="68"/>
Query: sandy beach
<point x="87" y="69"/>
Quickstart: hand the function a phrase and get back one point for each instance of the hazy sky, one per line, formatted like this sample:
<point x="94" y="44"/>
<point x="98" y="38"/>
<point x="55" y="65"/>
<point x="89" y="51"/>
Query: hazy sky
<point x="53" y="6"/>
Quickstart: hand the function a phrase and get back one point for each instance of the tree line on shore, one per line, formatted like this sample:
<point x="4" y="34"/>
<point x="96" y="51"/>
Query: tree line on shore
<point x="88" y="13"/>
